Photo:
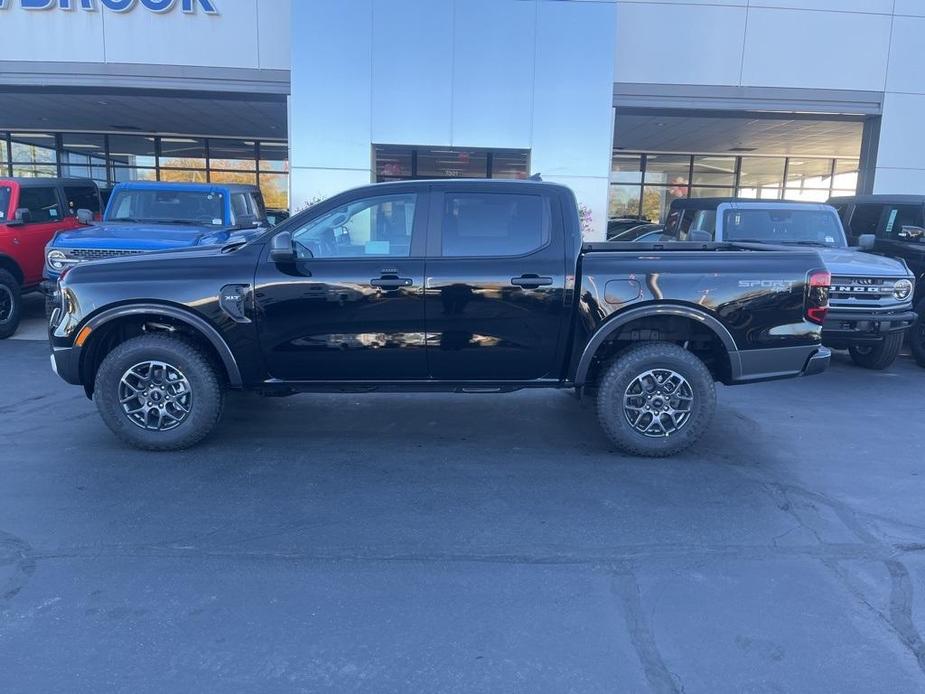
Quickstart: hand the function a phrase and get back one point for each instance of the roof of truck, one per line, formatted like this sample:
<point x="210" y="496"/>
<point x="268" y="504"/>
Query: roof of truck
<point x="199" y="187"/>
<point x="883" y="198"/>
<point x="712" y="203"/>
<point x="24" y="182"/>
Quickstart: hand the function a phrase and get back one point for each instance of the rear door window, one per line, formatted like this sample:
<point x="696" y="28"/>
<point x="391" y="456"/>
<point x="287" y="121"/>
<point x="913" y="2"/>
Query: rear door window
<point x="5" y="194"/>
<point x="42" y="203"/>
<point x="494" y="224"/>
<point x="82" y="198"/>
<point x="866" y="219"/>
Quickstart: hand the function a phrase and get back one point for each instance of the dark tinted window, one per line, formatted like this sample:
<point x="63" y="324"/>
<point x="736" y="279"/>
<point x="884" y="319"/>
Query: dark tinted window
<point x="866" y="219"/>
<point x="241" y="205"/>
<point x="42" y="203"/>
<point x="4" y="201"/>
<point x="494" y="224"/>
<point x="899" y="216"/>
<point x="784" y="227"/>
<point x="82" y="198"/>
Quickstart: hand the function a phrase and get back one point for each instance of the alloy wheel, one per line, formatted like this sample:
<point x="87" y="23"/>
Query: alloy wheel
<point x="658" y="402"/>
<point x="155" y="395"/>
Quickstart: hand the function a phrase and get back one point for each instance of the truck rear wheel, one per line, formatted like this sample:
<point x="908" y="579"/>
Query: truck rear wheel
<point x="917" y="337"/>
<point x="878" y="356"/>
<point x="10" y="304"/>
<point x="158" y="393"/>
<point x="655" y="400"/>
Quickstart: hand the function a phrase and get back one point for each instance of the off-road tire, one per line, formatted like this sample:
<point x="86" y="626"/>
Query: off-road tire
<point x="878" y="356"/>
<point x="11" y="293"/>
<point x="208" y="394"/>
<point x="917" y="337"/>
<point x="625" y="369"/>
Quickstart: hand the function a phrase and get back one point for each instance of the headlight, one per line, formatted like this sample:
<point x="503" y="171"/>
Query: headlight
<point x="57" y="260"/>
<point x="902" y="290"/>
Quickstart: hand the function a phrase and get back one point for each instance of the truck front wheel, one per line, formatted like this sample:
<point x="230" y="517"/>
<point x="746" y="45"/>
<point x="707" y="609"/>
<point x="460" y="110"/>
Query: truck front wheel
<point x="10" y="304"/>
<point x="158" y="393"/>
<point x="878" y="356"/>
<point x="655" y="399"/>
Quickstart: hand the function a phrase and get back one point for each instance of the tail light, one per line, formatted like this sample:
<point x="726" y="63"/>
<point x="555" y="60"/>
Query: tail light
<point x="817" y="296"/>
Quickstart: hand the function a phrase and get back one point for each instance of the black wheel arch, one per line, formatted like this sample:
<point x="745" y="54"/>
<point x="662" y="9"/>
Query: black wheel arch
<point x="10" y="265"/>
<point x="610" y="328"/>
<point x="199" y="326"/>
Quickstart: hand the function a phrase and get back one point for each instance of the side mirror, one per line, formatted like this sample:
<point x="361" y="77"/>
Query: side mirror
<point x="22" y="215"/>
<point x="866" y="242"/>
<point x="84" y="216"/>
<point x="281" y="248"/>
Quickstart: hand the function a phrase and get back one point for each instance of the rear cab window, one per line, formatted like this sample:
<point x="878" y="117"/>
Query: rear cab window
<point x="494" y="224"/>
<point x="42" y="203"/>
<point x="783" y="226"/>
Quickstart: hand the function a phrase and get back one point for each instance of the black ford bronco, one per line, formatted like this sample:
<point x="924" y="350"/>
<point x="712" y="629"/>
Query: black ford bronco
<point x="894" y="226"/>
<point x="467" y="286"/>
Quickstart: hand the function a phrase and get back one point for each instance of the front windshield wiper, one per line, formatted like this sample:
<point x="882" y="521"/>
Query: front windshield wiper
<point x="821" y="244"/>
<point x="125" y="219"/>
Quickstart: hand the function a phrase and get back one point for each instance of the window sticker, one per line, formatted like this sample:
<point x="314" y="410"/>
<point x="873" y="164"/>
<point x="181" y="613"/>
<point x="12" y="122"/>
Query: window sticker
<point x="892" y="221"/>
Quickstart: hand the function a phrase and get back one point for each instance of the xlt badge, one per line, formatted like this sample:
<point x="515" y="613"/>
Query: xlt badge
<point x="233" y="301"/>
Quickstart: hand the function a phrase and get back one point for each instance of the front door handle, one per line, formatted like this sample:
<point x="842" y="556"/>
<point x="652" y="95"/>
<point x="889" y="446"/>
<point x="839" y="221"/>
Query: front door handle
<point x="391" y="282"/>
<point x="531" y="281"/>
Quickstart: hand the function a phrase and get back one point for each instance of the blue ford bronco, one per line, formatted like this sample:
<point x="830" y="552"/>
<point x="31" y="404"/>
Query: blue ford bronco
<point x="154" y="216"/>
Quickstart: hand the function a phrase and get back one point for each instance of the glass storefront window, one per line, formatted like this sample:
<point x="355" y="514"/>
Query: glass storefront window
<point x="393" y="162"/>
<point x="235" y="155"/>
<point x="451" y="163"/>
<point x="657" y="199"/>
<point x="84" y="156"/>
<point x="712" y="192"/>
<point x="275" y="189"/>
<point x="34" y="148"/>
<point x="274" y="156"/>
<point x="626" y="168"/>
<point x="122" y="174"/>
<point x="813" y="174"/>
<point x="246" y="177"/>
<point x="624" y="201"/>
<point x="510" y="163"/>
<point x="714" y="171"/>
<point x="4" y="152"/>
<point x="182" y="153"/>
<point x="132" y="150"/>
<point x="670" y="169"/>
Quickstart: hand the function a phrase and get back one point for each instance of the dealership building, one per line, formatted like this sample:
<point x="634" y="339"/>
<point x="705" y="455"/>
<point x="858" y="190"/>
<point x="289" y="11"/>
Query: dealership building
<point x="631" y="103"/>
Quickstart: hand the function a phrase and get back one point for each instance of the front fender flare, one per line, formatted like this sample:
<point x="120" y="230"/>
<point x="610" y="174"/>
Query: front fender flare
<point x="615" y="323"/>
<point x="194" y="321"/>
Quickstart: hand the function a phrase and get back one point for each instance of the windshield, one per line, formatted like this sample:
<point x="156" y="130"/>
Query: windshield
<point x="199" y="207"/>
<point x="796" y="227"/>
<point x="4" y="201"/>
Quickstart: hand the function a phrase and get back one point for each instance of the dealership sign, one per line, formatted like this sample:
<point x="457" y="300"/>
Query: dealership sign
<point x="159" y="6"/>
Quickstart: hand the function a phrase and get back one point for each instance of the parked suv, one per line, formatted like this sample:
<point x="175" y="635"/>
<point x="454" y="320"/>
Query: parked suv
<point x="892" y="225"/>
<point x="469" y="286"/>
<point x="871" y="296"/>
<point x="32" y="211"/>
<point x="152" y="216"/>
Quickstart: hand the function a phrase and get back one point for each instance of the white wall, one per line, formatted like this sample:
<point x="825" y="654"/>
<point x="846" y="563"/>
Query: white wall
<point x="866" y="45"/>
<point x="244" y="34"/>
<point x="523" y="74"/>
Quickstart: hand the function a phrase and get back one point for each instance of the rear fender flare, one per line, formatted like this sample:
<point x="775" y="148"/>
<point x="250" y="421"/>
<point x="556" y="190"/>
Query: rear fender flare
<point x="614" y="324"/>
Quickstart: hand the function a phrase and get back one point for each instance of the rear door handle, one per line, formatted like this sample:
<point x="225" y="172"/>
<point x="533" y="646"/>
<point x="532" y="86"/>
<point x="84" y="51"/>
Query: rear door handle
<point x="391" y="282"/>
<point x="531" y="281"/>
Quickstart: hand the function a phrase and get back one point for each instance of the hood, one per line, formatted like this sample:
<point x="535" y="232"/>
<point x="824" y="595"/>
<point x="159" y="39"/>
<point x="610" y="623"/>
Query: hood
<point x="140" y="237"/>
<point x="854" y="263"/>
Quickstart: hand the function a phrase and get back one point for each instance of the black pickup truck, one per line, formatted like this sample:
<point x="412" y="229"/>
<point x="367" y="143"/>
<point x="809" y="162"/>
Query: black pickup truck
<point x="466" y="286"/>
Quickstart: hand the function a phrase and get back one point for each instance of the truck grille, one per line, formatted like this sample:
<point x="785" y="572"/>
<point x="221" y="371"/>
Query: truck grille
<point x="98" y="253"/>
<point x="866" y="292"/>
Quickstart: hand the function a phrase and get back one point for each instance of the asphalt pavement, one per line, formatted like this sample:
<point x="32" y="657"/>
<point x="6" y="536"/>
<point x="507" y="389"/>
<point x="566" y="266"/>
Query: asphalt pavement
<point x="465" y="543"/>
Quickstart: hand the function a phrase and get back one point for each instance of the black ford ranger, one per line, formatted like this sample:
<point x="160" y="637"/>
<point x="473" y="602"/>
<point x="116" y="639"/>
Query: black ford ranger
<point x="469" y="286"/>
<point x="894" y="226"/>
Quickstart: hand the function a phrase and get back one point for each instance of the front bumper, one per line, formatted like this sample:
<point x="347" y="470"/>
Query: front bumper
<point x="843" y="327"/>
<point x="65" y="361"/>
